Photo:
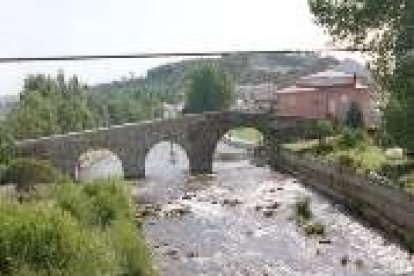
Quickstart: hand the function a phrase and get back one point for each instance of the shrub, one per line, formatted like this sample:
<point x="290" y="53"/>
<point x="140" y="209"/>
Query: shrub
<point x="73" y="199"/>
<point x="130" y="248"/>
<point x="302" y="209"/>
<point x="351" y="138"/>
<point x="323" y="129"/>
<point x="314" y="229"/>
<point x="44" y="240"/>
<point x="110" y="200"/>
<point x="26" y="173"/>
<point x="73" y="230"/>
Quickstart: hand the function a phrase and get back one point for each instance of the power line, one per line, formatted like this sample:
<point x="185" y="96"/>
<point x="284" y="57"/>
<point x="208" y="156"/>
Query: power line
<point x="164" y="55"/>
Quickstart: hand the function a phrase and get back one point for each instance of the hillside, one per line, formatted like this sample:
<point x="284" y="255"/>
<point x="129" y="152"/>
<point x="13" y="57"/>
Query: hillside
<point x="134" y="99"/>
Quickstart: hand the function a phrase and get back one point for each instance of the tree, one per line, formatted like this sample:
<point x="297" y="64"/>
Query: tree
<point x="6" y="145"/>
<point x="386" y="29"/>
<point x="399" y="114"/>
<point x="354" y="118"/>
<point x="49" y="106"/>
<point x="210" y="89"/>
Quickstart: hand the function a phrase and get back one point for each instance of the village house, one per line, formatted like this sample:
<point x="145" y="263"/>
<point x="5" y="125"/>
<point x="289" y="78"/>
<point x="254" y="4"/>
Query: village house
<point x="257" y="97"/>
<point x="325" y="95"/>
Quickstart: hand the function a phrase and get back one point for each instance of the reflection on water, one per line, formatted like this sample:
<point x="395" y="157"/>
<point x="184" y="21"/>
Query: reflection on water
<point x="226" y="231"/>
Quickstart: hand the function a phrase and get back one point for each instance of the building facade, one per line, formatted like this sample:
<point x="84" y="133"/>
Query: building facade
<point x="325" y="95"/>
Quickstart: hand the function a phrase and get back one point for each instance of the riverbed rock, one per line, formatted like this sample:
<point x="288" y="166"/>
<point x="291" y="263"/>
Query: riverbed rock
<point x="175" y="209"/>
<point x="344" y="260"/>
<point x="273" y="205"/>
<point x="192" y="255"/>
<point x="186" y="197"/>
<point x="171" y="252"/>
<point x="267" y="213"/>
<point x="325" y="241"/>
<point x="231" y="201"/>
<point x="258" y="207"/>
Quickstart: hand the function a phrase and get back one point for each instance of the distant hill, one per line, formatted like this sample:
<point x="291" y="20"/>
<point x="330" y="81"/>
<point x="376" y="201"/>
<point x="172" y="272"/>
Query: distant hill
<point x="171" y="80"/>
<point x="133" y="99"/>
<point x="351" y="66"/>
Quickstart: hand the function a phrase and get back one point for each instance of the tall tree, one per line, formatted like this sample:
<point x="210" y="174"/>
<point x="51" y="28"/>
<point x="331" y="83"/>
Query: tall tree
<point x="49" y="106"/>
<point x="210" y="89"/>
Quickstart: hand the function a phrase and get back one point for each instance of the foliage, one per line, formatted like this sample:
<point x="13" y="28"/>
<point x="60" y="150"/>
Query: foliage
<point x="110" y="200"/>
<point x="354" y="118"/>
<point x="211" y="89"/>
<point x="399" y="113"/>
<point x="323" y="129"/>
<point x="384" y="27"/>
<point x="49" y="106"/>
<point x="130" y="248"/>
<point x="26" y="173"/>
<point x="6" y="145"/>
<point x="246" y="134"/>
<point x="351" y="138"/>
<point x="62" y="233"/>
<point x="302" y="210"/>
<point x="44" y="239"/>
<point x="314" y="228"/>
<point x="95" y="204"/>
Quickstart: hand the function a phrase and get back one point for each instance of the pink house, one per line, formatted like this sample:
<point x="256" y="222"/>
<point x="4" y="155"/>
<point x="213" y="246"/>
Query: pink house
<point x="325" y="95"/>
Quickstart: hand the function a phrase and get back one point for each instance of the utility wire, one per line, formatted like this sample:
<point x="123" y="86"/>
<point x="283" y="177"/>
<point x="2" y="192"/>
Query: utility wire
<point x="165" y="55"/>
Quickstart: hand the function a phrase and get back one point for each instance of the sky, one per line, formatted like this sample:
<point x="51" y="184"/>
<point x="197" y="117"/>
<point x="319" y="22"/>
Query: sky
<point x="30" y="28"/>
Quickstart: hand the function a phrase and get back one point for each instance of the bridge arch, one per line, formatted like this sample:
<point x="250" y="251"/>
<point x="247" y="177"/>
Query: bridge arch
<point x="98" y="163"/>
<point x="166" y="155"/>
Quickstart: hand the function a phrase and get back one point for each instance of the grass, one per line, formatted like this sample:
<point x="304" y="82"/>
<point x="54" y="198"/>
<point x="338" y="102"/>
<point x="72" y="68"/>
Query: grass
<point x="366" y="158"/>
<point x="303" y="216"/>
<point x="247" y="134"/>
<point x="302" y="209"/>
<point x="358" y="151"/>
<point x="72" y="229"/>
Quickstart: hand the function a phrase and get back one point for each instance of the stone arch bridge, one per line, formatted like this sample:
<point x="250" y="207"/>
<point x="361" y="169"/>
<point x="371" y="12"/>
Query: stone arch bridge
<point x="197" y="134"/>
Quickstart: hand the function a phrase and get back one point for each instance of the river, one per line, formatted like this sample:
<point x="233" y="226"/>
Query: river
<point x="224" y="229"/>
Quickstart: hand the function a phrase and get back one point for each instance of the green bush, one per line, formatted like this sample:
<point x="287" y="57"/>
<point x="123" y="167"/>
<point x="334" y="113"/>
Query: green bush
<point x="73" y="229"/>
<point x="73" y="199"/>
<point x="27" y="172"/>
<point x="130" y="248"/>
<point x="323" y="129"/>
<point x="351" y="138"/>
<point x="314" y="229"/>
<point x="42" y="239"/>
<point x="110" y="200"/>
<point x="302" y="210"/>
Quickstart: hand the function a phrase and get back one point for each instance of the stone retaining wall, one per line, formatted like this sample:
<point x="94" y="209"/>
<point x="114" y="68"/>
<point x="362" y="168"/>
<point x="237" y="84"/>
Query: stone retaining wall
<point x="381" y="203"/>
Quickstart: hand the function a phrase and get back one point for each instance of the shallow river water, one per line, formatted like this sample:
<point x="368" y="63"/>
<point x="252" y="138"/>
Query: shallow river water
<point x="225" y="231"/>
